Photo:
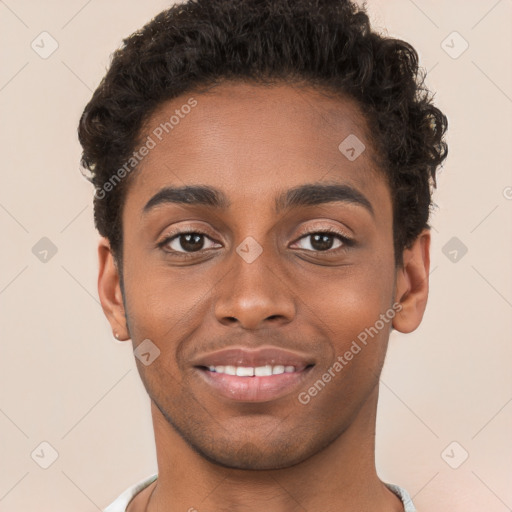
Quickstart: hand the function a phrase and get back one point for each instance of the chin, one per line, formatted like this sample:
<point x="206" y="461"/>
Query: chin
<point x="252" y="457"/>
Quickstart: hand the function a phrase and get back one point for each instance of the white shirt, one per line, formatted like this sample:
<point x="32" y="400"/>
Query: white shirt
<point x="120" y="504"/>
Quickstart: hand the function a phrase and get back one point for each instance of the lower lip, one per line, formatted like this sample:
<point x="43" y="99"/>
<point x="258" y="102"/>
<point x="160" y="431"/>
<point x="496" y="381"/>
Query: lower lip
<point x="254" y="389"/>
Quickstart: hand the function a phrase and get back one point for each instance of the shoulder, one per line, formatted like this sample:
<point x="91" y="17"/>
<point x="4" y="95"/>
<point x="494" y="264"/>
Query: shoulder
<point x="404" y="496"/>
<point x="122" y="501"/>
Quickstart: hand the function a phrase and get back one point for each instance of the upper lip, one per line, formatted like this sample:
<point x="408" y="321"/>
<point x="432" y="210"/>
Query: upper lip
<point x="240" y="356"/>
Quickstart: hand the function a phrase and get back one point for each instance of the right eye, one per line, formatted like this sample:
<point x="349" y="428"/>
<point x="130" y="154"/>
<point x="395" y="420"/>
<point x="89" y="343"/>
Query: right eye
<point x="185" y="242"/>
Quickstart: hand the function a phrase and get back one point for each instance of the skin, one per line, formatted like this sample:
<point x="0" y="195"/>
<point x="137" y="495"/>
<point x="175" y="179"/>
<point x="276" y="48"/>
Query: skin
<point x="253" y="143"/>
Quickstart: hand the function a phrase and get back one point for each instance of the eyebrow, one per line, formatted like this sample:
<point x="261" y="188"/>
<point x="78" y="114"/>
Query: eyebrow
<point x="313" y="194"/>
<point x="189" y="194"/>
<point x="310" y="194"/>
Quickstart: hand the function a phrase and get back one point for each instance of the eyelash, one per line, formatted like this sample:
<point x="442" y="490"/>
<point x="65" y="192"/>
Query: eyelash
<point x="347" y="242"/>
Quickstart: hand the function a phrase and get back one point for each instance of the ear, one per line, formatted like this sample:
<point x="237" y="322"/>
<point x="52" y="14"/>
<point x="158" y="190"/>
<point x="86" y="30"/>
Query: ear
<point x="109" y="290"/>
<point x="412" y="284"/>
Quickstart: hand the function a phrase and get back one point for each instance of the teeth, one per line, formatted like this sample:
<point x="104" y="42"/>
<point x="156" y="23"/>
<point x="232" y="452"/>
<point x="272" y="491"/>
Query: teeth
<point x="230" y="370"/>
<point x="242" y="371"/>
<point x="251" y="371"/>
<point x="263" y="371"/>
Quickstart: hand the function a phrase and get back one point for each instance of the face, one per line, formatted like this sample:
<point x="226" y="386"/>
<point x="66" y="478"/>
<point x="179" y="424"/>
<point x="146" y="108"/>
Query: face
<point x="278" y="256"/>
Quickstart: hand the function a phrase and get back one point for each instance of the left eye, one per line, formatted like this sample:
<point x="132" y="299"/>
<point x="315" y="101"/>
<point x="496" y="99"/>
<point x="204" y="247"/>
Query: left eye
<point x="323" y="241"/>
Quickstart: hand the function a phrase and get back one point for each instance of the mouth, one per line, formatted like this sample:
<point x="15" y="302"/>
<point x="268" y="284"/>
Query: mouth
<point x="253" y="375"/>
<point x="251" y="371"/>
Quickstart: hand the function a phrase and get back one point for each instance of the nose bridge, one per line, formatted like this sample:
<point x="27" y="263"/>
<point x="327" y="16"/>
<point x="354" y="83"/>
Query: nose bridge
<point x="253" y="293"/>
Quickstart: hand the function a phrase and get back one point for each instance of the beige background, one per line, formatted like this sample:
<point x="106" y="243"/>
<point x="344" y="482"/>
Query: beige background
<point x="67" y="382"/>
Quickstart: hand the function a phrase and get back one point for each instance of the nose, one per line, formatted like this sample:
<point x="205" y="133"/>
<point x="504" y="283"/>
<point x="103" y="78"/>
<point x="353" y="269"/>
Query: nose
<point x="254" y="295"/>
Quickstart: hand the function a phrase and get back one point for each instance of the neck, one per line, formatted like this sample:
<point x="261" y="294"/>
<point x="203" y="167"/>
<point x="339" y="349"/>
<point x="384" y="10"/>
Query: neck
<point x="341" y="475"/>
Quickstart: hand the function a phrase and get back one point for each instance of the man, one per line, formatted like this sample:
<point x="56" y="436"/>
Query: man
<point x="263" y="174"/>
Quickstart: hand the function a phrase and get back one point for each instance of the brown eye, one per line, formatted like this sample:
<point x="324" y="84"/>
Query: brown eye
<point x="323" y="241"/>
<point x="191" y="242"/>
<point x="186" y="242"/>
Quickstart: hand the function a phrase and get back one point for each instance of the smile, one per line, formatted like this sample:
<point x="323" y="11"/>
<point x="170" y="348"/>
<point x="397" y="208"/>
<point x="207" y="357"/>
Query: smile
<point x="253" y="384"/>
<point x="251" y="371"/>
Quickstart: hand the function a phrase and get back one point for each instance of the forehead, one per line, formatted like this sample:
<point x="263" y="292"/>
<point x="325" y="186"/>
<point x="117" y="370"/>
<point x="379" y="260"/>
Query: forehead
<point x="253" y="140"/>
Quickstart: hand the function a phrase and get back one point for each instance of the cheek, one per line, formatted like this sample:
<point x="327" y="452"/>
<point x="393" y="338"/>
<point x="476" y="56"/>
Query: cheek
<point x="163" y="304"/>
<point x="358" y="339"/>
<point x="353" y="308"/>
<point x="356" y="314"/>
<point x="346" y="302"/>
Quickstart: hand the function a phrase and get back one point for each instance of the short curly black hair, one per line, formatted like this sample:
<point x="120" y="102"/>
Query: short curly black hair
<point x="327" y="44"/>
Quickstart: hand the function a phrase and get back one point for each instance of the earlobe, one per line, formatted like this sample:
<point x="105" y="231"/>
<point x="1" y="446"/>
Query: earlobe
<point x="412" y="284"/>
<point x="109" y="290"/>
